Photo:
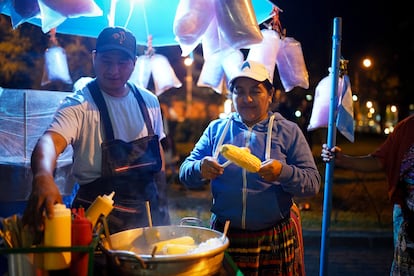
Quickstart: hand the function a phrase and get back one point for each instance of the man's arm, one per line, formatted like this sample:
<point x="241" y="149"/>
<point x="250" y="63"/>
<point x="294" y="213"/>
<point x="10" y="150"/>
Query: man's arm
<point x="365" y="163"/>
<point x="45" y="193"/>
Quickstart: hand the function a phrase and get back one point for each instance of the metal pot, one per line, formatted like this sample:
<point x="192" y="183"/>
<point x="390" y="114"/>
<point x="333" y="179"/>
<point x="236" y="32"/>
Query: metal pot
<point x="129" y="252"/>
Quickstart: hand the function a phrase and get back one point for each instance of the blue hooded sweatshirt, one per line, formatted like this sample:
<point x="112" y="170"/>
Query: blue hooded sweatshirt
<point x="243" y="197"/>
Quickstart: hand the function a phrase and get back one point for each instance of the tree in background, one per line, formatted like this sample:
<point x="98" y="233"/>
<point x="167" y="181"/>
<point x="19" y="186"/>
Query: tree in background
<point x="22" y="56"/>
<point x="17" y="67"/>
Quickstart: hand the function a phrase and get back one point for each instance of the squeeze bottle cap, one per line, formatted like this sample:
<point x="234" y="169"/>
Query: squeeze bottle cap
<point x="60" y="209"/>
<point x="102" y="205"/>
<point x="110" y="196"/>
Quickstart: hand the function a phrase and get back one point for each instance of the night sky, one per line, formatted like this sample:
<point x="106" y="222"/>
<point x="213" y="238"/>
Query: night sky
<point x="364" y="28"/>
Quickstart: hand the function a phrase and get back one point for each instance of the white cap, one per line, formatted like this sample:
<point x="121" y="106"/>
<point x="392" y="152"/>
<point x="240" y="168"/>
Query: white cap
<point x="253" y="70"/>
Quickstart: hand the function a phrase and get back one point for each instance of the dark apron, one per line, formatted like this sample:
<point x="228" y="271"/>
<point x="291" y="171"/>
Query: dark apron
<point x="132" y="170"/>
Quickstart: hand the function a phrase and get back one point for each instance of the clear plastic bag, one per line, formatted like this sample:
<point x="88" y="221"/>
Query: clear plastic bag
<point x="163" y="74"/>
<point x="237" y="23"/>
<point x="56" y="66"/>
<point x="21" y="11"/>
<point x="266" y="51"/>
<point x="191" y="20"/>
<point x="55" y="12"/>
<point x="291" y="65"/>
<point x="142" y="71"/>
<point x="212" y="73"/>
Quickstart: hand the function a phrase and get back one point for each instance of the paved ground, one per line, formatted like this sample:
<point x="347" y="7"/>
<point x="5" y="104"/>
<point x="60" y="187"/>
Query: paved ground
<point x="349" y="253"/>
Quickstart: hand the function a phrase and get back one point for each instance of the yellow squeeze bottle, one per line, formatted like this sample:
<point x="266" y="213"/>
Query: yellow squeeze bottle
<point x="58" y="234"/>
<point x="102" y="205"/>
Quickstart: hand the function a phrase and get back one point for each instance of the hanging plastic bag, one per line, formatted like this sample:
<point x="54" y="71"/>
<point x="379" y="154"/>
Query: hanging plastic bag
<point x="237" y="23"/>
<point x="213" y="41"/>
<point x="192" y="19"/>
<point x="291" y="65"/>
<point x="231" y="62"/>
<point x="320" y="110"/>
<point x="74" y="8"/>
<point x="266" y="51"/>
<point x="212" y="73"/>
<point x="163" y="74"/>
<point x="55" y="12"/>
<point x="56" y="66"/>
<point x="23" y="10"/>
<point x="26" y="8"/>
<point x="3" y="4"/>
<point x="142" y="71"/>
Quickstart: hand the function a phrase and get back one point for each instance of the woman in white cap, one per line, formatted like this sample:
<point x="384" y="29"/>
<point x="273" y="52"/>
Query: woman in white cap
<point x="257" y="204"/>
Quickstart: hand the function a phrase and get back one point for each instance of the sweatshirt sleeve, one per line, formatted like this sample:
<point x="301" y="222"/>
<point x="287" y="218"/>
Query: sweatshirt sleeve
<point x="299" y="175"/>
<point x="190" y="169"/>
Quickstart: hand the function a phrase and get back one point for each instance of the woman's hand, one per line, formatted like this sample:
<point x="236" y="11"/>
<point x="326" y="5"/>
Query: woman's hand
<point x="210" y="168"/>
<point x="270" y="170"/>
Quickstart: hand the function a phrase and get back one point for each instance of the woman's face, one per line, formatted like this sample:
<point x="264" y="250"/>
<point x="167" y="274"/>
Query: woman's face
<point x="251" y="100"/>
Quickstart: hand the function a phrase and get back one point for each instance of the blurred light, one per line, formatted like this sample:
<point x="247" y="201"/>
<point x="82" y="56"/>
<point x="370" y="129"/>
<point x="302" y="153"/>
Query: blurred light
<point x="188" y="61"/>
<point x="393" y="108"/>
<point x="227" y="106"/>
<point x="372" y="110"/>
<point x="298" y="114"/>
<point x="367" y="63"/>
<point x="369" y="104"/>
<point x="309" y="97"/>
<point x="354" y="98"/>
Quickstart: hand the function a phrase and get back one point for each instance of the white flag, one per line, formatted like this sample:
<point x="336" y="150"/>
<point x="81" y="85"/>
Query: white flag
<point x="345" y="115"/>
<point x="344" y="107"/>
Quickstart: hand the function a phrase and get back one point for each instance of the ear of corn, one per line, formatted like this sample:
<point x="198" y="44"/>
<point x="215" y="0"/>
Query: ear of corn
<point x="175" y="249"/>
<point x="184" y="240"/>
<point x="241" y="157"/>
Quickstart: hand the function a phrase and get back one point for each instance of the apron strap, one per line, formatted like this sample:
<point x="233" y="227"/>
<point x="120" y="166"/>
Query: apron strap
<point x="143" y="108"/>
<point x="103" y="109"/>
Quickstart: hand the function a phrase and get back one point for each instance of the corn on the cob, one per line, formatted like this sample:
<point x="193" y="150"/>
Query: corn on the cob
<point x="241" y="157"/>
<point x="185" y="240"/>
<point x="176" y="249"/>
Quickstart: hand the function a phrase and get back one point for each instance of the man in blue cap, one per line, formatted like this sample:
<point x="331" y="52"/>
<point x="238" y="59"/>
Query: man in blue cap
<point x="115" y="130"/>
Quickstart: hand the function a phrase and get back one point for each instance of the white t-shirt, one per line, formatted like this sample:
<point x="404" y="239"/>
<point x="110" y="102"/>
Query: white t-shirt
<point x="78" y="121"/>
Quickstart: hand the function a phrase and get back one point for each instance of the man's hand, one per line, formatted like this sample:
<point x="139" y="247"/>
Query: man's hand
<point x="44" y="195"/>
<point x="327" y="155"/>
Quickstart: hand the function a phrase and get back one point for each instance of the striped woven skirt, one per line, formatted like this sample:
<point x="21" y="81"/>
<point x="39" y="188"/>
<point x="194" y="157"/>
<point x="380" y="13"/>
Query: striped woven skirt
<point x="266" y="252"/>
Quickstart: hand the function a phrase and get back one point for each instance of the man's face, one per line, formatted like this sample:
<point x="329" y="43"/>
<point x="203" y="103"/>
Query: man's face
<point x="251" y="100"/>
<point x="113" y="69"/>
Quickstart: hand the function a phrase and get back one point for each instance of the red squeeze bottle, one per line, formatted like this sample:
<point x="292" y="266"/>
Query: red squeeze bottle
<point x="81" y="235"/>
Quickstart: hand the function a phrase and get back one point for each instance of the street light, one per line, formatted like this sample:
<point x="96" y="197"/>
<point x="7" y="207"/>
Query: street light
<point x="188" y="62"/>
<point x="366" y="63"/>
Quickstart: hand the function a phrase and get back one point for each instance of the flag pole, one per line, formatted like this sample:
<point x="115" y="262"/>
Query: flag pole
<point x="331" y="141"/>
